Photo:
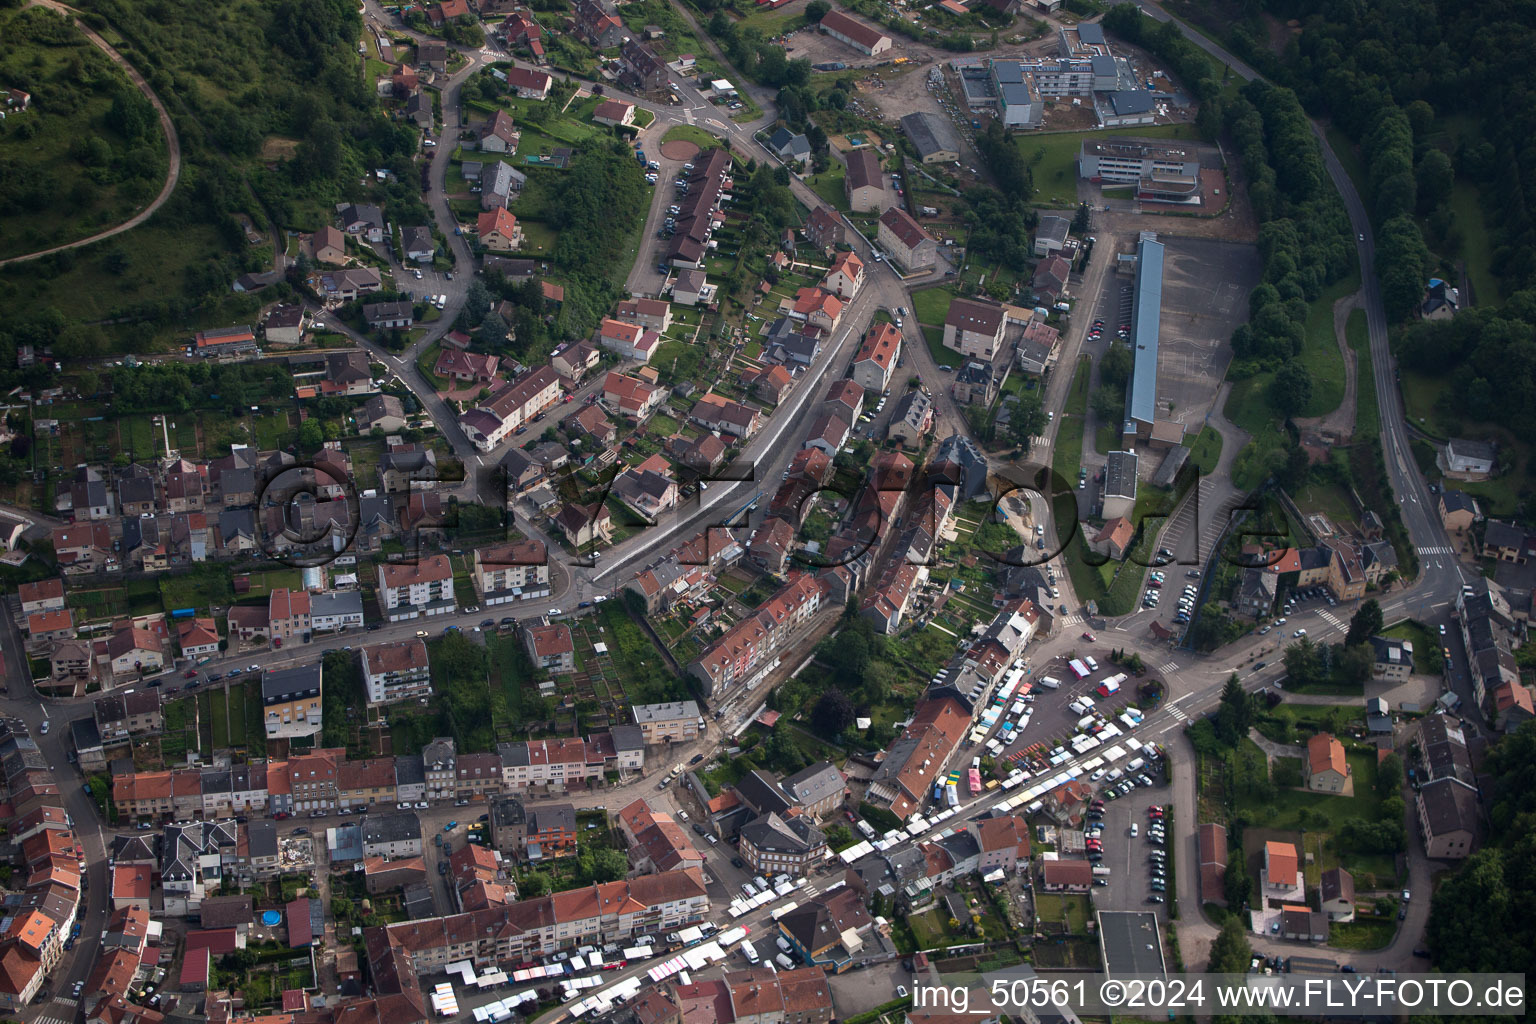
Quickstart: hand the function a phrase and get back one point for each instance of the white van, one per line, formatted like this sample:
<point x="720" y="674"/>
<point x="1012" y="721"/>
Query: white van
<point x="750" y="952"/>
<point x="1101" y="871"/>
<point x="1136" y="764"/>
<point x="1049" y="683"/>
<point x="784" y="962"/>
<point x="1093" y="666"/>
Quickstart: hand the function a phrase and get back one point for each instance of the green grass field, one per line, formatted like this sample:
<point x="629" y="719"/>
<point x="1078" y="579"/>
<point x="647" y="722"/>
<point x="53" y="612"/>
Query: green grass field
<point x="1205" y="450"/>
<point x="931" y="305"/>
<point x="1321" y="353"/>
<point x="1476" y="248"/>
<point x="1367" y="409"/>
<point x="829" y="185"/>
<point x="1053" y="156"/>
<point x="689" y="133"/>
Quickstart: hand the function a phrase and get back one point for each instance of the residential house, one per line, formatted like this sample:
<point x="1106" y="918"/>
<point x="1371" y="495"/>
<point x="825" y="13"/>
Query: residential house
<point x="197" y="638"/>
<point x="770" y="544"/>
<point x="1281" y="874"/>
<point x="1327" y="770"/>
<point x="864" y="182"/>
<point x="1337" y="890"/>
<point x="791" y="147"/>
<point x="817" y="308"/>
<point x="383" y="316"/>
<point x="772" y="845"/>
<point x="692" y="288"/>
<point x="652" y="314"/>
<point x="500" y="184"/>
<point x="974" y="328"/>
<point x="911" y="420"/>
<point x="824" y="229"/>
<point x="329" y="246"/>
<point x="1458" y="510"/>
<point x="550" y="647"/>
<point x="1035" y="348"/>
<point x="712" y="412"/>
<point x="1118" y="495"/>
<point x="380" y="412"/>
<point x="905" y="240"/>
<point x="875" y="362"/>
<point x="845" y="277"/>
<point x="530" y="84"/>
<point x="585" y="524"/>
<point x="631" y="397"/>
<point x="498" y="230"/>
<point x="828" y="433"/>
<point x="1051" y="234"/>
<point x="364" y="220"/>
<point x="1393" y="658"/>
<point x="466" y="367"/>
<point x="499" y="135"/>
<point x="630" y="341"/>
<point x="1469" y="458"/>
<point x="768" y="383"/>
<point x="575" y="361"/>
<point x="648" y="488"/>
<point x="1211" y="843"/>
<point x="1050" y="280"/>
<point x="974" y="384"/>
<point x="614" y="113"/>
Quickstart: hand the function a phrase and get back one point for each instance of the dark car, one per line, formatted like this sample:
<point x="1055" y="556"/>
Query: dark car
<point x="698" y="829"/>
<point x="737" y="862"/>
<point x="508" y="620"/>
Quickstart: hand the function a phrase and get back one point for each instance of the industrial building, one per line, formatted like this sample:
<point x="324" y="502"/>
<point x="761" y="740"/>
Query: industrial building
<point x="1146" y="311"/>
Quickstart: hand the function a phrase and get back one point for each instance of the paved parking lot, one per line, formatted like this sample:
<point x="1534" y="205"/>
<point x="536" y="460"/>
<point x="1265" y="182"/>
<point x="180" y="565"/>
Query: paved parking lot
<point x="1127" y="857"/>
<point x="1205" y="297"/>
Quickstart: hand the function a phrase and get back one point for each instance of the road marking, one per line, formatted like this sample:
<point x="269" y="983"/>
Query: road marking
<point x="1331" y="619"/>
<point x="1441" y="550"/>
<point x="1170" y="666"/>
<point x="1178" y="716"/>
<point x="1181" y="699"/>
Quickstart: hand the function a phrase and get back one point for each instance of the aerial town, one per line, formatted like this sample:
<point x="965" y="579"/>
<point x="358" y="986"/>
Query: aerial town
<point x="658" y="512"/>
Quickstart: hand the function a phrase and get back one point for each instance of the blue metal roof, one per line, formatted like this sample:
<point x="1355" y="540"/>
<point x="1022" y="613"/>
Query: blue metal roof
<point x="1146" y="308"/>
<point x="1091" y="33"/>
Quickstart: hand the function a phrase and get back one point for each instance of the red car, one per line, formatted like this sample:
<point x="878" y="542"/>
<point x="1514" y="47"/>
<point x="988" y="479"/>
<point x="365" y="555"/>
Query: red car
<point x="190" y="673"/>
<point x="1088" y="637"/>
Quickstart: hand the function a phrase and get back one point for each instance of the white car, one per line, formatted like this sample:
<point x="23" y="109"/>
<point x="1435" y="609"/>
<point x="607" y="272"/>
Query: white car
<point x="1096" y="776"/>
<point x="1134" y="829"/>
<point x="417" y="273"/>
<point x="1299" y="633"/>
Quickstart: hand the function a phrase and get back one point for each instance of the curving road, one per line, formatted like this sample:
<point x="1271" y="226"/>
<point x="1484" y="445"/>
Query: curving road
<point x="1440" y="575"/>
<point x="172" y="143"/>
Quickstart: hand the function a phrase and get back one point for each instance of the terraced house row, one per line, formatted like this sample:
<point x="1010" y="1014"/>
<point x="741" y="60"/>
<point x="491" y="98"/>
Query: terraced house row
<point x="325" y="780"/>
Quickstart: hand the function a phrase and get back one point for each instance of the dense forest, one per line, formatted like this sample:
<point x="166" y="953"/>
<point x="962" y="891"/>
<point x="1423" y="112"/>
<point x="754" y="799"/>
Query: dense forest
<point x="1434" y="97"/>
<point x="275" y="124"/>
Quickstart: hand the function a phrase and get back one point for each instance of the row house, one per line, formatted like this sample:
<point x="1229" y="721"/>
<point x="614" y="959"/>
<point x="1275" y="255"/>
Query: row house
<point x="511" y="406"/>
<point x="748" y="646"/>
<point x="612" y="912"/>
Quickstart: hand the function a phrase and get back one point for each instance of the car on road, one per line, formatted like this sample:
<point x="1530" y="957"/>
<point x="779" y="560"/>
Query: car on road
<point x="1299" y="633"/>
<point x="1134" y="829"/>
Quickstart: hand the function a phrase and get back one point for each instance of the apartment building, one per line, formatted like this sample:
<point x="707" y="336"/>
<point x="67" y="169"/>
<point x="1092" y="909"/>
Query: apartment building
<point x="288" y="616"/>
<point x="516" y="571"/>
<point x="673" y="722"/>
<point x="748" y="647"/>
<point x="551" y="765"/>
<point x="613" y="912"/>
<point x="396" y="671"/>
<point x="392" y="834"/>
<point x="366" y="783"/>
<point x="411" y="590"/>
<point x="291" y="701"/>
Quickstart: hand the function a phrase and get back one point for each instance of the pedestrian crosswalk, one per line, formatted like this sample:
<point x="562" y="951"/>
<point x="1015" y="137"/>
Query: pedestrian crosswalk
<point x="1331" y="619"/>
<point x="1178" y="716"/>
<point x="58" y="1011"/>
<point x="1441" y="550"/>
<point x="1169" y="666"/>
<point x="1071" y="620"/>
